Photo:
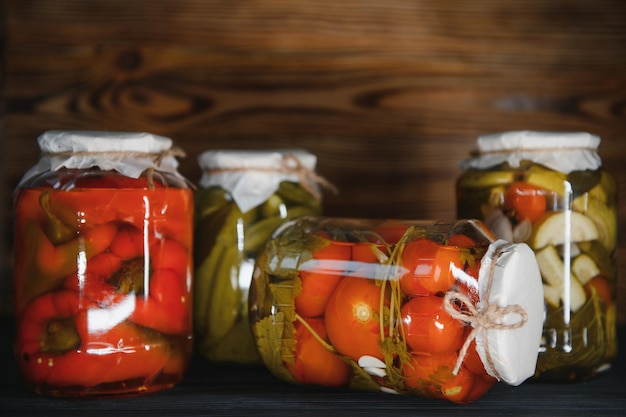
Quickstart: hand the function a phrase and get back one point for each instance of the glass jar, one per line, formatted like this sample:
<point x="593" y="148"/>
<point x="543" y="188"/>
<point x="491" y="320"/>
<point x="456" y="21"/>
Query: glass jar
<point x="411" y="307"/>
<point x="103" y="265"/>
<point x="243" y="197"/>
<point x="549" y="189"/>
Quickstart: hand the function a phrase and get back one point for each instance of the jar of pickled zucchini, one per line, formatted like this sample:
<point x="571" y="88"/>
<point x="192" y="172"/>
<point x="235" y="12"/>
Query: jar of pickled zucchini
<point x="423" y="308"/>
<point x="243" y="197"/>
<point x="549" y="189"/>
<point x="103" y="265"/>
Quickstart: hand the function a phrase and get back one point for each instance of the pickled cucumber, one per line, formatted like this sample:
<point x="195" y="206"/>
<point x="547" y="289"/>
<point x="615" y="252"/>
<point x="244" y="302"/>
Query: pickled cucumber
<point x="551" y="230"/>
<point x="227" y="242"/>
<point x="585" y="268"/>
<point x="553" y="272"/>
<point x="546" y="178"/>
<point x="603" y="216"/>
<point x="480" y="179"/>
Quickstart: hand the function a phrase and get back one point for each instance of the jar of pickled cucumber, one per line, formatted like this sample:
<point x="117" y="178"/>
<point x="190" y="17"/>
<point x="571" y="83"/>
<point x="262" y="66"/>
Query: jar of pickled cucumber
<point x="103" y="265"/>
<point x="423" y="308"/>
<point x="549" y="189"/>
<point x="243" y="197"/>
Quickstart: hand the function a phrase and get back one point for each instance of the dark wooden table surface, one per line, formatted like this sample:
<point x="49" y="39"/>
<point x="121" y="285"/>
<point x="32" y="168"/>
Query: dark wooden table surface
<point x="227" y="390"/>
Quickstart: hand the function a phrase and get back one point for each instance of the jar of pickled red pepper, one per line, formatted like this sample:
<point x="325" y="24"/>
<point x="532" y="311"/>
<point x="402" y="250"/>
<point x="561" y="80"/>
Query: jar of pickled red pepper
<point x="243" y="197"/>
<point x="549" y="189"/>
<point x="426" y="308"/>
<point x="103" y="265"/>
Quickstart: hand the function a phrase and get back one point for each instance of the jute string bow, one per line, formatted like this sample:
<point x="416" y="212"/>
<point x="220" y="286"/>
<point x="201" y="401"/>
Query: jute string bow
<point x="489" y="317"/>
<point x="289" y="164"/>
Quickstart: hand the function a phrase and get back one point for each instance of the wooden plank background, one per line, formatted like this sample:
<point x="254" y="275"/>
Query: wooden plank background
<point x="390" y="95"/>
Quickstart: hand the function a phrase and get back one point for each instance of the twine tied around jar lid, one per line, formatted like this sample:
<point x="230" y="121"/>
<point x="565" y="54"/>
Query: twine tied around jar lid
<point x="131" y="154"/>
<point x="479" y="152"/>
<point x="559" y="151"/>
<point x="157" y="157"/>
<point x="490" y="316"/>
<point x="289" y="164"/>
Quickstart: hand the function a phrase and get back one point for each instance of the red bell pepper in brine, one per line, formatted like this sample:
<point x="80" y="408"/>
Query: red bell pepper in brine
<point x="65" y="341"/>
<point x="160" y="294"/>
<point x="103" y="232"/>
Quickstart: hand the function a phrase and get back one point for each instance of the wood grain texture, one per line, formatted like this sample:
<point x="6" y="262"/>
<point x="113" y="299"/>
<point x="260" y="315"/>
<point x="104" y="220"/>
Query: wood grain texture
<point x="390" y="95"/>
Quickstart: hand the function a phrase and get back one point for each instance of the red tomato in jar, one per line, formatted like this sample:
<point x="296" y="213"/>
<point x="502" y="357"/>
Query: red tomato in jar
<point x="482" y="380"/>
<point x="599" y="284"/>
<point x="461" y="240"/>
<point x="467" y="283"/>
<point x="480" y="387"/>
<point x="431" y="375"/>
<point x="353" y="316"/>
<point x="429" y="328"/>
<point x="319" y="278"/>
<point x="472" y="360"/>
<point x="117" y="181"/>
<point x="391" y="232"/>
<point x="313" y="363"/>
<point x="430" y="267"/>
<point x="526" y="201"/>
<point x="365" y="252"/>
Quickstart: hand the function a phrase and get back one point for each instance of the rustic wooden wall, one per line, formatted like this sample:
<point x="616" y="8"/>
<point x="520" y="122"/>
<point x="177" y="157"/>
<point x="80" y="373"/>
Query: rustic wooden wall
<point x="389" y="94"/>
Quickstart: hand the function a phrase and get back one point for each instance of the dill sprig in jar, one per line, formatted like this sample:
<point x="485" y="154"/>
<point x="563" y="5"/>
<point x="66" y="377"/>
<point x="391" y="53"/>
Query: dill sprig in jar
<point x="423" y="308"/>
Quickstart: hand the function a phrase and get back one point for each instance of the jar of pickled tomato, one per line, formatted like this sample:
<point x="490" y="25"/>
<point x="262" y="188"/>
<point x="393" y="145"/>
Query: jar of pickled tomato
<point x="103" y="265"/>
<point x="243" y="197"/>
<point x="549" y="189"/>
<point x="427" y="308"/>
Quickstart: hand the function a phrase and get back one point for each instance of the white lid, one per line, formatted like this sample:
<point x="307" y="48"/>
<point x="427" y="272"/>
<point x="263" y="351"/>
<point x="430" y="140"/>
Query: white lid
<point x="128" y="153"/>
<point x="560" y="151"/>
<point x="509" y="277"/>
<point x="252" y="176"/>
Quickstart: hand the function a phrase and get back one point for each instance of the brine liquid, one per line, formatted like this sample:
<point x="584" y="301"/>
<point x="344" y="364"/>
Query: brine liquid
<point x="570" y="223"/>
<point x="103" y="289"/>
